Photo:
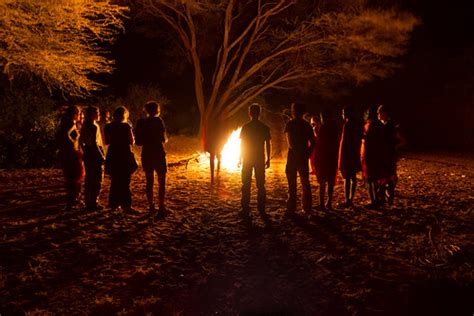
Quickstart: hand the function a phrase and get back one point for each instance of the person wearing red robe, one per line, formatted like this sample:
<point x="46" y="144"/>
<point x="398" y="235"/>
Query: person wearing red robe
<point x="349" y="154"/>
<point x="326" y="157"/>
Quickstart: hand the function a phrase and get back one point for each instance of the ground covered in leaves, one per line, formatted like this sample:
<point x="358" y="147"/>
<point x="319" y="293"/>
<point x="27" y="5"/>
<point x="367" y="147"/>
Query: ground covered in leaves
<point x="416" y="258"/>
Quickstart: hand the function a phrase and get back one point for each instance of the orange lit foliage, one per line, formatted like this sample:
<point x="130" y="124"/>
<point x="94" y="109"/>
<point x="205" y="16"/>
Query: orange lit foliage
<point x="262" y="45"/>
<point x="58" y="41"/>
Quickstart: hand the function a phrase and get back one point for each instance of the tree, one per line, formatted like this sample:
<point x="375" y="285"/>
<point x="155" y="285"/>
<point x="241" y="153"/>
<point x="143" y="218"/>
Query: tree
<point x="58" y="41"/>
<point x="286" y="44"/>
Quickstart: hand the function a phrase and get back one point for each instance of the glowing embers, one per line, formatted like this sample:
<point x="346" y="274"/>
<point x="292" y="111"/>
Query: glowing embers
<point x="231" y="152"/>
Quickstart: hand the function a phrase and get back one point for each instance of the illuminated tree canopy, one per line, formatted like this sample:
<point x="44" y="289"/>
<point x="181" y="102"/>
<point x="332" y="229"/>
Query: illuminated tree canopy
<point x="262" y="45"/>
<point x="58" y="41"/>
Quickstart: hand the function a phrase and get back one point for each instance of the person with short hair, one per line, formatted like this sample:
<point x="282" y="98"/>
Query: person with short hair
<point x="255" y="156"/>
<point x="70" y="154"/>
<point x="327" y="152"/>
<point x="91" y="141"/>
<point x="300" y="145"/>
<point x="150" y="133"/>
<point x="371" y="155"/>
<point x="392" y="141"/>
<point x="120" y="161"/>
<point x="349" y="154"/>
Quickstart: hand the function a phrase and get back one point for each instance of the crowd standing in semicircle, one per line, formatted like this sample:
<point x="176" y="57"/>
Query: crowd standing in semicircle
<point x="322" y="144"/>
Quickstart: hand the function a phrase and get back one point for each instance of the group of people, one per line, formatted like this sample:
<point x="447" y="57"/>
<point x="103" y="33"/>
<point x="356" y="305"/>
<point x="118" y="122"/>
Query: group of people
<point x="328" y="147"/>
<point x="322" y="143"/>
<point x="81" y="151"/>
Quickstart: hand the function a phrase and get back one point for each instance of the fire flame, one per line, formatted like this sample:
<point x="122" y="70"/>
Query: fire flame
<point x="230" y="154"/>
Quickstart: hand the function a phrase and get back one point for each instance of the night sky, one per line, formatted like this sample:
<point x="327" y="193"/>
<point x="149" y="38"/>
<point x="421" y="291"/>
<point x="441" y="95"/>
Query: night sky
<point x="431" y="95"/>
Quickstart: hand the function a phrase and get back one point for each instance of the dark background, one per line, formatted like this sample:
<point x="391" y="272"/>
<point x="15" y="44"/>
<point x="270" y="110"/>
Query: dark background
<point x="431" y="94"/>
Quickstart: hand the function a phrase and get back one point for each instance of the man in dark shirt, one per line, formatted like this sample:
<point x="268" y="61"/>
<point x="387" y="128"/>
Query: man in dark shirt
<point x="300" y="145"/>
<point x="150" y="133"/>
<point x="255" y="138"/>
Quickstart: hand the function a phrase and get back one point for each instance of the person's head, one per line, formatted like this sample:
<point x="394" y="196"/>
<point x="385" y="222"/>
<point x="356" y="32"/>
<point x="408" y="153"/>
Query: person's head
<point x="254" y="111"/>
<point x="326" y="115"/>
<point x="72" y="113"/>
<point x="152" y="108"/>
<point x="105" y="116"/>
<point x="370" y="114"/>
<point x="383" y="113"/>
<point x="315" y="121"/>
<point x="348" y="112"/>
<point x="92" y="113"/>
<point x="120" y="114"/>
<point x="298" y="109"/>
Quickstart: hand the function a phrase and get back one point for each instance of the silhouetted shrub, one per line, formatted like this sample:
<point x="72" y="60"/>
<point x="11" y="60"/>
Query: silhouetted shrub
<point x="28" y="120"/>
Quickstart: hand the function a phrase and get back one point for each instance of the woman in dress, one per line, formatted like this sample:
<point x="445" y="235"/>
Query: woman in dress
<point x="120" y="161"/>
<point x="70" y="154"/>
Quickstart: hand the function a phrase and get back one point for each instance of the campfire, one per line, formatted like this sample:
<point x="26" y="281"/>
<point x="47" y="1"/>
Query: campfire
<point x="231" y="152"/>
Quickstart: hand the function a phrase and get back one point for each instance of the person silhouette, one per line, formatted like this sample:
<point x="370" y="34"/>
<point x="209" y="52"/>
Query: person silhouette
<point x="70" y="154"/>
<point x="120" y="162"/>
<point x="214" y="138"/>
<point x="349" y="154"/>
<point x="255" y="156"/>
<point x="151" y="135"/>
<point x="392" y="141"/>
<point x="327" y="152"/>
<point x="371" y="155"/>
<point x="91" y="141"/>
<point x="300" y="145"/>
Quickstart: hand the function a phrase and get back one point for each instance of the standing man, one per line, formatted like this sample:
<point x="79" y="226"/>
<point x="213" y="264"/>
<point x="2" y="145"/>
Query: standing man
<point x="255" y="138"/>
<point x="300" y="145"/>
<point x="91" y="140"/>
<point x="150" y="133"/>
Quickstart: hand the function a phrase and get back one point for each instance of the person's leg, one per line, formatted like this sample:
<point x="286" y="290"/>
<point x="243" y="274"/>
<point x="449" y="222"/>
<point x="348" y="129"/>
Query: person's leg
<point x="212" y="164"/>
<point x="114" y="193"/>
<point x="371" y="186"/>
<point x="381" y="190"/>
<point x="306" y="185"/>
<point x="97" y="183"/>
<point x="127" y="194"/>
<point x="218" y="163"/>
<point x="150" y="181"/>
<point x="260" y="180"/>
<point x="93" y="183"/>
<point x="391" y="192"/>
<point x="246" y="182"/>
<point x="353" y="187"/>
<point x="322" y="193"/>
<point x="347" y="190"/>
<point x="291" y="201"/>
<point x="161" y="189"/>
<point x="330" y="193"/>
<point x="88" y="184"/>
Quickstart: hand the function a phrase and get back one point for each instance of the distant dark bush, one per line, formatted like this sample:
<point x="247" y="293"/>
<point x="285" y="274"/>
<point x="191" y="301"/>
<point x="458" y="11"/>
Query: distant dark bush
<point x="28" y="119"/>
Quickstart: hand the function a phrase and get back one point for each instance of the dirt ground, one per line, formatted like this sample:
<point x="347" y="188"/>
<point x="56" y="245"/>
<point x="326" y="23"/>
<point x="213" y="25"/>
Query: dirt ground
<point x="416" y="258"/>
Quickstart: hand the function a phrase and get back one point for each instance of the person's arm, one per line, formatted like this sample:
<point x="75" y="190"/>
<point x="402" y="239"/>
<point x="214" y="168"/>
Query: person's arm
<point x="288" y="139"/>
<point x="165" y="136"/>
<point x="312" y="142"/>
<point x="131" y="139"/>
<point x="268" y="149"/>
<point x="401" y="141"/>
